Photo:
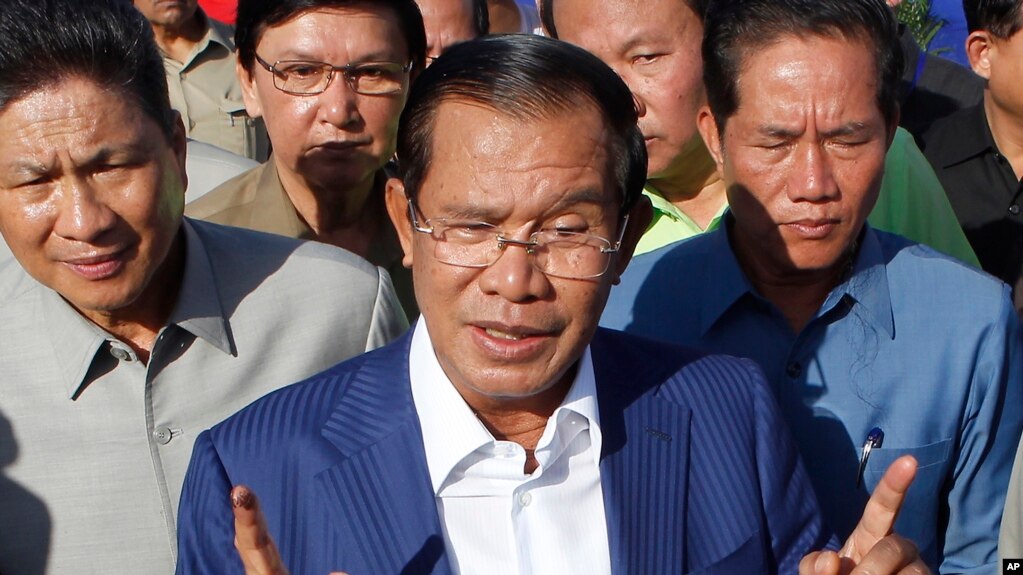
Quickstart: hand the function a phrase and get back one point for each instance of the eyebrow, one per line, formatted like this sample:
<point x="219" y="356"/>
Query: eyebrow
<point x="847" y="129"/>
<point x="484" y="213"/>
<point x="301" y="56"/>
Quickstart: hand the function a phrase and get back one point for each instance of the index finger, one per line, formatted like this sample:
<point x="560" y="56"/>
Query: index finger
<point x="252" y="537"/>
<point x="882" y="509"/>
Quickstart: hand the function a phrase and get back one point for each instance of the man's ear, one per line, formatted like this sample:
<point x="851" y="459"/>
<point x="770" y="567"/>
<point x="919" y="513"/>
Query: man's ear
<point x="639" y="220"/>
<point x="708" y="128"/>
<point x="398" y="210"/>
<point x="250" y="92"/>
<point x="980" y="48"/>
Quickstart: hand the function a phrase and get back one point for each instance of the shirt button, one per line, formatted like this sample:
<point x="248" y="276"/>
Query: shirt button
<point x="162" y="435"/>
<point x="120" y="353"/>
<point x="525" y="499"/>
<point x="1014" y="209"/>
<point x="794" y="369"/>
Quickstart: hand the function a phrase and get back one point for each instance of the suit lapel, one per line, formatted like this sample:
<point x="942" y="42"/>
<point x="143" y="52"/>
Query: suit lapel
<point x="644" y="463"/>
<point x="379" y="492"/>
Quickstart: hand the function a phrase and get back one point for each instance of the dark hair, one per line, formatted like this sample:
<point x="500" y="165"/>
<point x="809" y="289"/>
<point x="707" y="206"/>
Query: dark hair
<point x="999" y="17"/>
<point x="526" y="77"/>
<point x="255" y="16"/>
<point x="481" y="17"/>
<point x="547" y="13"/>
<point x="108" y="42"/>
<point x="734" y="29"/>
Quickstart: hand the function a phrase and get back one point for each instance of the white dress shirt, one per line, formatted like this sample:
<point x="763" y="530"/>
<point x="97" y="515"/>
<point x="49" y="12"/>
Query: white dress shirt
<point x="496" y="518"/>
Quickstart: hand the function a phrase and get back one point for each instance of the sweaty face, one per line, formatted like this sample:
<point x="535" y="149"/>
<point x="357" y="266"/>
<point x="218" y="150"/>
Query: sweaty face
<point x="508" y="330"/>
<point x="803" y="156"/>
<point x="171" y="13"/>
<point x="91" y="193"/>
<point x="655" y="47"/>
<point x="447" y="23"/>
<point x="337" y="139"/>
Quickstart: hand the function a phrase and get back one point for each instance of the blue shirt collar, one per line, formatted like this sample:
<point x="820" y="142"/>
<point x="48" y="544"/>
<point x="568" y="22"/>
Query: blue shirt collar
<point x="866" y="286"/>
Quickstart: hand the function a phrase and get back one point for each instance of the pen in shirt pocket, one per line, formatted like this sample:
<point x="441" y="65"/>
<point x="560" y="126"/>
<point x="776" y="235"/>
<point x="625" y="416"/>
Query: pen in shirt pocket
<point x="874" y="440"/>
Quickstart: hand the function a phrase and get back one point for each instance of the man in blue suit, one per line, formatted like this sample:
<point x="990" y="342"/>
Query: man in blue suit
<point x="506" y="433"/>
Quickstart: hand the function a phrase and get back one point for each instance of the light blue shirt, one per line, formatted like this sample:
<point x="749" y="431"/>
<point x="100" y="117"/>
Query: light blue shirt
<point x="913" y="342"/>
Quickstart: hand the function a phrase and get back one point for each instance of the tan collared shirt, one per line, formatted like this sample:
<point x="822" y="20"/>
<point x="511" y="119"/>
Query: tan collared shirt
<point x="94" y="444"/>
<point x="256" y="200"/>
<point x="205" y="90"/>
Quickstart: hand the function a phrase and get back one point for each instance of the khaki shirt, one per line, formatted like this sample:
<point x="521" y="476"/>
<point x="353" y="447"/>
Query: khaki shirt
<point x="205" y="90"/>
<point x="256" y="200"/>
<point x="94" y="444"/>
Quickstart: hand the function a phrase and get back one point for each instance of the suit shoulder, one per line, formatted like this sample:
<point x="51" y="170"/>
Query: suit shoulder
<point x="228" y="245"/>
<point x="686" y="375"/>
<point x="292" y="412"/>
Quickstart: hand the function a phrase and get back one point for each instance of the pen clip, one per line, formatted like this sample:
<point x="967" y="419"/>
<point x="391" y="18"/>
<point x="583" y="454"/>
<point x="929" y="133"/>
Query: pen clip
<point x="874" y="439"/>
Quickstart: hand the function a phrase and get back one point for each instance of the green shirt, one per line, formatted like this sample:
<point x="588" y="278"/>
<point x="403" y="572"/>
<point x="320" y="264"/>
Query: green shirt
<point x="911" y="203"/>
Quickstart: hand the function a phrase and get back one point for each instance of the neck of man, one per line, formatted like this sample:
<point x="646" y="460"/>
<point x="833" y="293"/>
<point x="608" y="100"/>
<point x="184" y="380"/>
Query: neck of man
<point x="139" y="323"/>
<point x="692" y="184"/>
<point x="177" y="42"/>
<point x="348" y="218"/>
<point x="1007" y="131"/>
<point x="521" y="420"/>
<point x="798" y="294"/>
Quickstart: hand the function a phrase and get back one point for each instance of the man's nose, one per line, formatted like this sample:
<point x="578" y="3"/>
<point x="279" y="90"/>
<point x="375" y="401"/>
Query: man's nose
<point x="514" y="276"/>
<point x="339" y="104"/>
<point x="813" y="178"/>
<point x="82" y="213"/>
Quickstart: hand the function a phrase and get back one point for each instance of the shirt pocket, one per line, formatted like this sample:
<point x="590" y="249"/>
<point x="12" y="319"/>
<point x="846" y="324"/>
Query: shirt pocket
<point x="918" y="519"/>
<point x="748" y="558"/>
<point x="237" y="129"/>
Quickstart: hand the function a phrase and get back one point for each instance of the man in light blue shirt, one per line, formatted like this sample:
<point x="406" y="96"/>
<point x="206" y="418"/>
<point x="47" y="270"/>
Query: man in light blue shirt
<point x="855" y="328"/>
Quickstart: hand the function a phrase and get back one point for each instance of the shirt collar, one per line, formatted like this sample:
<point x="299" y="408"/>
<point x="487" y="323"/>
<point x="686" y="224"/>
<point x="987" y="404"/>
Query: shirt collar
<point x="972" y="138"/>
<point x="867" y="284"/>
<point x="729" y="284"/>
<point x="217" y="33"/>
<point x="451" y="431"/>
<point x="77" y="340"/>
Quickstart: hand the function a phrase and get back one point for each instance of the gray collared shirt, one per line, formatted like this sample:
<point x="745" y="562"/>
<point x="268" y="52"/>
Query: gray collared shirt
<point x="94" y="444"/>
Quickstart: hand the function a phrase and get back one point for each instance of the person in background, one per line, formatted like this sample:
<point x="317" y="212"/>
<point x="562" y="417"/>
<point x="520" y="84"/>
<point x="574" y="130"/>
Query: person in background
<point x="978" y="152"/>
<point x="199" y="58"/>
<point x="449" y="22"/>
<point x="855" y="328"/>
<point x="655" y="46"/>
<point x="513" y="17"/>
<point x="126" y="328"/>
<point x="329" y="78"/>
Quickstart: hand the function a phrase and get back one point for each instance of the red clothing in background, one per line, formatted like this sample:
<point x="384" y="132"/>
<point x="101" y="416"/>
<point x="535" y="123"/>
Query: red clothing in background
<point x="223" y="10"/>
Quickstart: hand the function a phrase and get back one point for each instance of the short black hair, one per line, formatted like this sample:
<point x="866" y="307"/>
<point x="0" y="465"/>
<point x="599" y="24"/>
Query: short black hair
<point x="255" y="16"/>
<point x="734" y="29"/>
<point x="999" y="17"/>
<point x="547" y="13"/>
<point x="530" y="78"/>
<point x="108" y="42"/>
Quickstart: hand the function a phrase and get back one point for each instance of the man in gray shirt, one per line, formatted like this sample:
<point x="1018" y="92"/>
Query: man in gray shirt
<point x="127" y="329"/>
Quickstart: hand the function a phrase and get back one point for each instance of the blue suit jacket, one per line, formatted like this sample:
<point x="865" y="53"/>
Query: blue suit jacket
<point x="697" y="469"/>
